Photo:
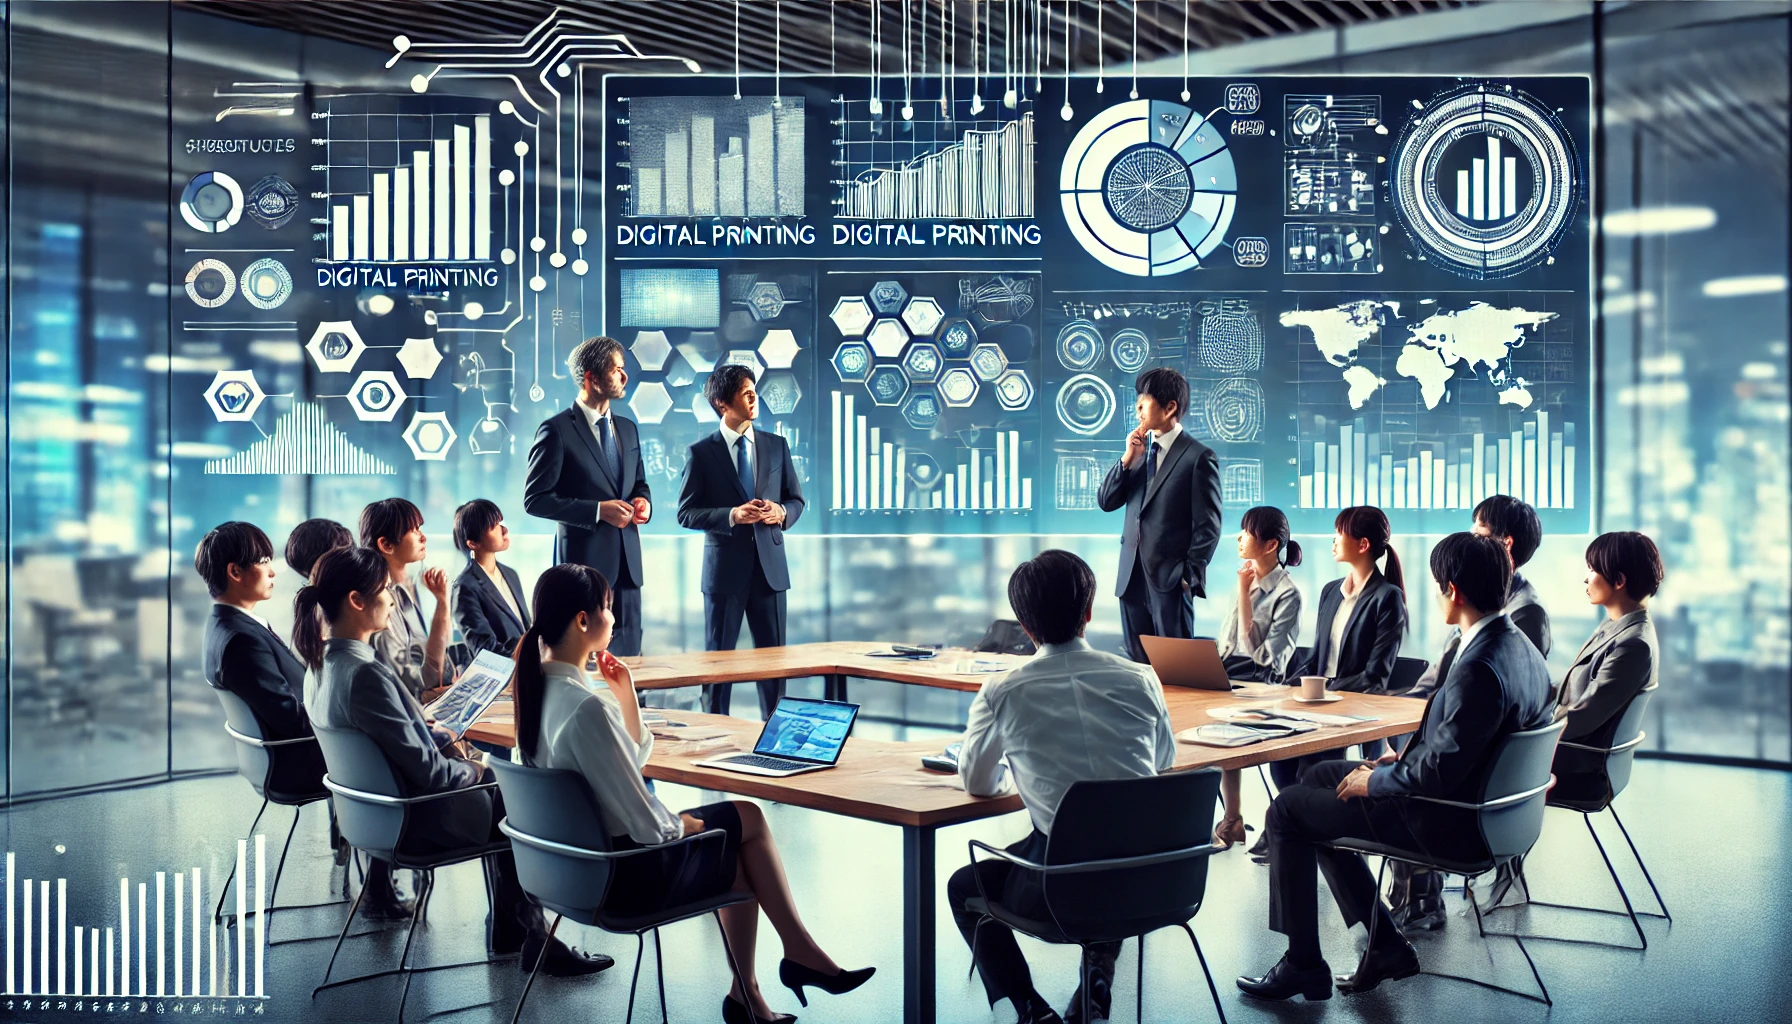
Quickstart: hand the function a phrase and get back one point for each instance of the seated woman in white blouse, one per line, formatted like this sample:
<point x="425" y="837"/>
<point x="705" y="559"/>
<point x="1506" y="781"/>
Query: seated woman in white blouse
<point x="1258" y="638"/>
<point x="566" y="721"/>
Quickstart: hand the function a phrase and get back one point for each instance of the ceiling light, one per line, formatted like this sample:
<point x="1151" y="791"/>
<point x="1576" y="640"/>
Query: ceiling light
<point x="1746" y="284"/>
<point x="1660" y="220"/>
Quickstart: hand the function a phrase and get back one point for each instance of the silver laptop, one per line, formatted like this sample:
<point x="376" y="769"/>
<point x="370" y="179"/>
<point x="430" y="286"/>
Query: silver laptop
<point x="803" y="735"/>
<point x="1192" y="663"/>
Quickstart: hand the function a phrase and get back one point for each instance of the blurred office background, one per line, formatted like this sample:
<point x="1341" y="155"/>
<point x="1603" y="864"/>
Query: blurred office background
<point x="106" y="427"/>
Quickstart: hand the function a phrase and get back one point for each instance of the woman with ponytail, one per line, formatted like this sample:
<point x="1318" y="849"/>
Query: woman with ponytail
<point x="566" y="721"/>
<point x="1258" y="637"/>
<point x="1362" y="620"/>
<point x="350" y="592"/>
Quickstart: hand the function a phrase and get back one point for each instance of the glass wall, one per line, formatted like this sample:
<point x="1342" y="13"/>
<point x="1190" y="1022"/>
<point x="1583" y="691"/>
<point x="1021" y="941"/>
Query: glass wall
<point x="108" y="431"/>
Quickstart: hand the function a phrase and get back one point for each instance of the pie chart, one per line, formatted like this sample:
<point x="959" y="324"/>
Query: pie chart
<point x="1148" y="188"/>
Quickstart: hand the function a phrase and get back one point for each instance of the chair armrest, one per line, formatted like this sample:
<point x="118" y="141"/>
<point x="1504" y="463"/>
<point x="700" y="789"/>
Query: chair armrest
<point x="1619" y="749"/>
<point x="1489" y="805"/>
<point x="400" y="801"/>
<point x="1107" y="864"/>
<point x="582" y="853"/>
<point x="256" y="742"/>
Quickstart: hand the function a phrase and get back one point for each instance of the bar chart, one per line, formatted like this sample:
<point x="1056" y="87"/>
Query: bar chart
<point x="162" y="949"/>
<point x="408" y="188"/>
<point x="707" y="156"/>
<point x="873" y="472"/>
<point x="987" y="175"/>
<point x="1487" y="190"/>
<point x="1354" y="466"/>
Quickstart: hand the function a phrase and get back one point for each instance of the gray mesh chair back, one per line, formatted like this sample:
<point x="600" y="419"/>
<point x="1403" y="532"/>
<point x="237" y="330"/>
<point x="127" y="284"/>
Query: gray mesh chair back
<point x="356" y="763"/>
<point x="556" y="806"/>
<point x="1513" y="795"/>
<point x="1132" y="819"/>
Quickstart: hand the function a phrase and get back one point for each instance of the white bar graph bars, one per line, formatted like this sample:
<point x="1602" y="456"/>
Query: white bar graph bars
<point x="871" y="474"/>
<point x="1489" y="189"/>
<point x="40" y="931"/>
<point x="435" y="204"/>
<point x="1535" y="463"/>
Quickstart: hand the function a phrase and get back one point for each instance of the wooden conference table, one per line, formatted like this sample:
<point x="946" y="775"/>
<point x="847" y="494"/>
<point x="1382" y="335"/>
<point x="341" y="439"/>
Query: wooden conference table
<point x="884" y="782"/>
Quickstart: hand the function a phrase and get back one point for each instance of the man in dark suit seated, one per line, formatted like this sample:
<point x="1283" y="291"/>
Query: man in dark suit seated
<point x="1498" y="685"/>
<point x="489" y="604"/>
<point x="1169" y="484"/>
<point x="586" y="473"/>
<point x="741" y="489"/>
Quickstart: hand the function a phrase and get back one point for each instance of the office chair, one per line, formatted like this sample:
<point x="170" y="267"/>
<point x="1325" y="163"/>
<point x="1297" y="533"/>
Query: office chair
<point x="1117" y="867"/>
<point x="285" y="772"/>
<point x="1509" y="816"/>
<point x="1406" y="674"/>
<point x="1592" y="791"/>
<point x="1005" y="636"/>
<point x="564" y="859"/>
<point x="375" y="818"/>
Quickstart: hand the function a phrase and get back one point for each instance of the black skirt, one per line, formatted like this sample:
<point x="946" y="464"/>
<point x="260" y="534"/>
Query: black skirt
<point x="682" y="874"/>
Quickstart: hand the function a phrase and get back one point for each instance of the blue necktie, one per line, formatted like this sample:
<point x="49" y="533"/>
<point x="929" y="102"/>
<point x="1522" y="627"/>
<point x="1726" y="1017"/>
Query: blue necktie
<point x="1151" y="463"/>
<point x="608" y="445"/>
<point x="743" y="464"/>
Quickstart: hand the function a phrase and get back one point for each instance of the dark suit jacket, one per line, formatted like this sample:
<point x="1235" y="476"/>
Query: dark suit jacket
<point x="1498" y="685"/>
<point x="567" y="478"/>
<point x="355" y="691"/>
<point x="246" y="658"/>
<point x="1173" y="526"/>
<point x="484" y="617"/>
<point x="712" y="489"/>
<point x="1371" y="637"/>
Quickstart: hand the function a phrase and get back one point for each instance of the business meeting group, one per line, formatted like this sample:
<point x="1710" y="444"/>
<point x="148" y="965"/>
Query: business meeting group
<point x="368" y="656"/>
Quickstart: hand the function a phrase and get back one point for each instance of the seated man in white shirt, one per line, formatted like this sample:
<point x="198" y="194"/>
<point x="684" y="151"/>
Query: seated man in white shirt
<point x="1069" y="714"/>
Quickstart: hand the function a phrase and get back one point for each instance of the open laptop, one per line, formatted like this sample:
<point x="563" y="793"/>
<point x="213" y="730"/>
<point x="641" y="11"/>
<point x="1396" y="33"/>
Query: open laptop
<point x="1192" y="663"/>
<point x="802" y="735"/>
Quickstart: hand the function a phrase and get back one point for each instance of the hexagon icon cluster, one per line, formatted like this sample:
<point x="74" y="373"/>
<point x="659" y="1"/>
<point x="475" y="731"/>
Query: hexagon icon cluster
<point x="376" y="396"/>
<point x="908" y="352"/>
<point x="234" y="395"/>
<point x="430" y="436"/>
<point x="335" y="346"/>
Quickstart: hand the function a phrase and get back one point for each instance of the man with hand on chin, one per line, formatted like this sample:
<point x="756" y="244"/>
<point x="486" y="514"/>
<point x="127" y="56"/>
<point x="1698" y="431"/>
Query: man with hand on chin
<point x="1169" y="484"/>
<point x="586" y="474"/>
<point x="741" y="489"/>
<point x="1497" y="685"/>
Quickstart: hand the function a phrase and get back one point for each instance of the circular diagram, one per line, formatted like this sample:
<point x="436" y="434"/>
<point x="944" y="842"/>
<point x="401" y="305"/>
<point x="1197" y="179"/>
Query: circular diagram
<point x="1235" y="409"/>
<point x="1486" y="181"/>
<point x="1079" y="345"/>
<point x="272" y="202"/>
<point x="1148" y="188"/>
<point x="210" y="283"/>
<point x="211" y="202"/>
<point x="266" y="284"/>
<point x="1130" y="348"/>
<point x="1086" y="404"/>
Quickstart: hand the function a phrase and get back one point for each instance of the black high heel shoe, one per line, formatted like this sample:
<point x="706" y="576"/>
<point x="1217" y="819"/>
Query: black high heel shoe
<point x="737" y="1013"/>
<point x="795" y="977"/>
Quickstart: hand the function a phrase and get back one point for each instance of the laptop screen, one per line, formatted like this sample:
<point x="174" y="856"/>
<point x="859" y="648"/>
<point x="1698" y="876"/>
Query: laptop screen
<point x="807" y="730"/>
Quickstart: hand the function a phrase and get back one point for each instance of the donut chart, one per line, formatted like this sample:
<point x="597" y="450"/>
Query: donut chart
<point x="1149" y="188"/>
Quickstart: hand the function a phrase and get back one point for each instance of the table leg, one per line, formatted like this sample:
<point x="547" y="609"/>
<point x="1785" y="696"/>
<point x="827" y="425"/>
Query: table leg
<point x="918" y="920"/>
<point x="833" y="687"/>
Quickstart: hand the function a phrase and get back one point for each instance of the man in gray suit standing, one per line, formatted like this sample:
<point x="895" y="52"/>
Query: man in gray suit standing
<point x="1169" y="484"/>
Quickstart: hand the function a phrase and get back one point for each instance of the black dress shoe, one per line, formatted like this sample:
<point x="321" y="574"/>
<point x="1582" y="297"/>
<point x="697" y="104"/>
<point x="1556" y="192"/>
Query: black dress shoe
<point x="1101" y="996"/>
<point x="1285" y="981"/>
<point x="796" y="977"/>
<point x="1387" y="963"/>
<point x="1259" y="850"/>
<point x="1037" y="1011"/>
<point x="384" y="904"/>
<point x="562" y="961"/>
<point x="1426" y="914"/>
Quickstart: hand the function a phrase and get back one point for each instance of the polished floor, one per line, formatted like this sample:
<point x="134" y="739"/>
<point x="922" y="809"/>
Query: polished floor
<point x="1715" y="839"/>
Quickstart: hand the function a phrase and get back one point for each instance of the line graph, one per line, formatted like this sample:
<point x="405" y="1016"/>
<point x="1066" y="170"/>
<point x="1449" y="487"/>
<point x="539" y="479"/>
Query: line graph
<point x="953" y="167"/>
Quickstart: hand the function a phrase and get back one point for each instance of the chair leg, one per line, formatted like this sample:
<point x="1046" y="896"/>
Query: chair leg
<point x="267" y="926"/>
<point x="628" y="1016"/>
<point x="1084" y="987"/>
<point x="1264" y="776"/>
<point x="1544" y="999"/>
<point x="429" y="888"/>
<point x="539" y="959"/>
<point x="1639" y="863"/>
<point x="733" y="965"/>
<point x="659" y="968"/>
<point x="976" y="932"/>
<point x="1140" y="990"/>
<point x="347" y="923"/>
<point x="1212" y="989"/>
<point x="218" y="911"/>
<point x="1628" y="909"/>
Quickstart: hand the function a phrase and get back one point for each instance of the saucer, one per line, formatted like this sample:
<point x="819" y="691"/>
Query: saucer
<point x="1327" y="699"/>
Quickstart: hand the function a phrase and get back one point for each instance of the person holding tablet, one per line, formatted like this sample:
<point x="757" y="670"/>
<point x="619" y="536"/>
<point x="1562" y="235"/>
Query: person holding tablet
<point x="566" y="721"/>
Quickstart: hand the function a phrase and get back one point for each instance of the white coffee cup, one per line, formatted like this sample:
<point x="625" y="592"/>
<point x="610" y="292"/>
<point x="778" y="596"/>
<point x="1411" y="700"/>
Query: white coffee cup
<point x="1312" y="687"/>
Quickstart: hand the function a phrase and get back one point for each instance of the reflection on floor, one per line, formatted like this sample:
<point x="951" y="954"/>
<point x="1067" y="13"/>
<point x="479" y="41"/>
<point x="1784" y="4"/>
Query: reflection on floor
<point x="1715" y="839"/>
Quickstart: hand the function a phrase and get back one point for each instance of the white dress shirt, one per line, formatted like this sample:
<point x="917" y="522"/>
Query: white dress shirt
<point x="1070" y="714"/>
<point x="1469" y="634"/>
<point x="1340" y="622"/>
<point x="1275" y="623"/>
<point x="1164" y="441"/>
<point x="582" y="731"/>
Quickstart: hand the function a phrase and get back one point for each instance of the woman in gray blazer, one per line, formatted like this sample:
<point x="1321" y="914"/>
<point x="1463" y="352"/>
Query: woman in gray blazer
<point x="1617" y="662"/>
<point x="567" y="721"/>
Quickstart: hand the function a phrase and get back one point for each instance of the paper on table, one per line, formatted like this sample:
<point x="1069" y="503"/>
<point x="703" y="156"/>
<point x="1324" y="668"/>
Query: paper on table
<point x="1314" y="716"/>
<point x="980" y="666"/>
<point x="689" y="733"/>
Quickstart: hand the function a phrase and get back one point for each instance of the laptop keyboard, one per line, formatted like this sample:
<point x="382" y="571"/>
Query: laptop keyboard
<point x="765" y="761"/>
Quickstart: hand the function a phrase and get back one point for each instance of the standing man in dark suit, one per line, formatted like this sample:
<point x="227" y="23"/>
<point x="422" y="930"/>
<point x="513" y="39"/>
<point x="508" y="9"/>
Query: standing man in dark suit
<point x="1170" y="485"/>
<point x="585" y="473"/>
<point x="741" y="489"/>
<point x="490" y="606"/>
<point x="1498" y="685"/>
